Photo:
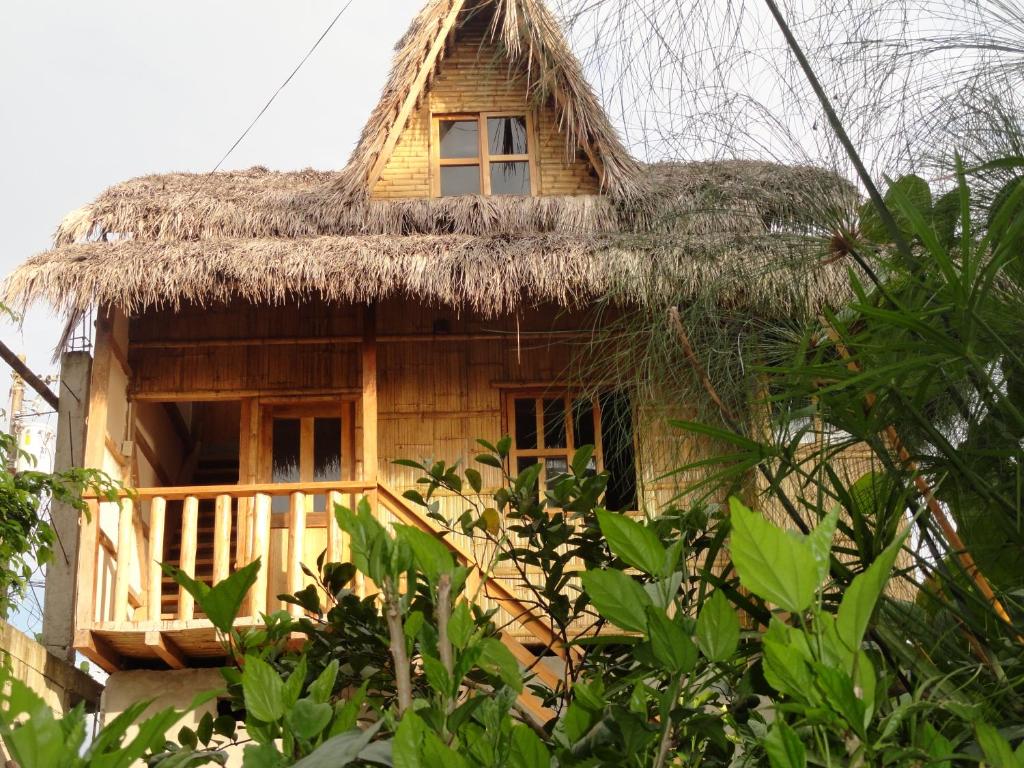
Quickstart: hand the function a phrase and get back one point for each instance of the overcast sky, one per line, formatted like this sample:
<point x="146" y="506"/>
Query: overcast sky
<point x="93" y="92"/>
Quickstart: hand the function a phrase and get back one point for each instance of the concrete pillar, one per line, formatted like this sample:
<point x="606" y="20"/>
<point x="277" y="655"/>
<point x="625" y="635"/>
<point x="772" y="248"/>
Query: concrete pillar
<point x="59" y="601"/>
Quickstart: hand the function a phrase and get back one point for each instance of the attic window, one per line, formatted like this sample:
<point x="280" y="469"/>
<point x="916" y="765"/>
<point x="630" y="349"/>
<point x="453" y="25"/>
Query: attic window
<point x="483" y="154"/>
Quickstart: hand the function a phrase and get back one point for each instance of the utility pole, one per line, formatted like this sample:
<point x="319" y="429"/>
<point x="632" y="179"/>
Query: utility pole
<point x="17" y="399"/>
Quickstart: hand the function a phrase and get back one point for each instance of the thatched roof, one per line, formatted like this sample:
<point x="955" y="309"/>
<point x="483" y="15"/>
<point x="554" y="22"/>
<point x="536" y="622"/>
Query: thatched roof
<point x="530" y="38"/>
<point x="754" y="233"/>
<point x="751" y="234"/>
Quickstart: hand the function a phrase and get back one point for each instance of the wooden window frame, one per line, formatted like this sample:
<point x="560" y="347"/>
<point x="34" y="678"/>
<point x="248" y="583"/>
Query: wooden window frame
<point x="542" y="452"/>
<point x="305" y="413"/>
<point x="483" y="158"/>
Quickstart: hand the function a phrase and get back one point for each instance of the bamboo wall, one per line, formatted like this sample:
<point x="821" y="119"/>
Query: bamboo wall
<point x="441" y="376"/>
<point x="474" y="77"/>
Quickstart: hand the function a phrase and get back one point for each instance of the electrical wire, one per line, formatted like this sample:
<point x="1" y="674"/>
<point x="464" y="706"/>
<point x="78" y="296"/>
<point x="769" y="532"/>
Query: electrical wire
<point x="282" y="86"/>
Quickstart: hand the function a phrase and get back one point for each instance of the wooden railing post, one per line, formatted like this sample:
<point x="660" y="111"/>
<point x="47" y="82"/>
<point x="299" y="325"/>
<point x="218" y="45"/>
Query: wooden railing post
<point x="333" y="531"/>
<point x="189" y="542"/>
<point x="296" y="537"/>
<point x="123" y="564"/>
<point x="261" y="549"/>
<point x="222" y="538"/>
<point x="157" y="513"/>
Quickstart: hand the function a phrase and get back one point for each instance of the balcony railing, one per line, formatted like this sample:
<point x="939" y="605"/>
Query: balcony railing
<point x="130" y="614"/>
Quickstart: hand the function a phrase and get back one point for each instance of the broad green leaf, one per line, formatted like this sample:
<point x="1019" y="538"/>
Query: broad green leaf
<point x="436" y="674"/>
<point x="618" y="598"/>
<point x="671" y="646"/>
<point x="308" y="718"/>
<point x="405" y="748"/>
<point x="526" y="750"/>
<point x="718" y="628"/>
<point x="320" y="690"/>
<point x="475" y="481"/>
<point x="262" y="756"/>
<point x="432" y="556"/>
<point x="820" y="541"/>
<point x="776" y="565"/>
<point x="862" y="594"/>
<point x="634" y="543"/>
<point x="784" y="748"/>
<point x="338" y="751"/>
<point x="262" y="690"/>
<point x="997" y="749"/>
<point x="292" y="688"/>
<point x="840" y="696"/>
<point x="491" y="519"/>
<point x="786" y="670"/>
<point x="497" y="659"/>
<point x="460" y="625"/>
<point x="938" y="747"/>
<point x="581" y="459"/>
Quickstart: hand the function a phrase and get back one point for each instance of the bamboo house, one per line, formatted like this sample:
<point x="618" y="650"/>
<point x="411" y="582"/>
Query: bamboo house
<point x="268" y="343"/>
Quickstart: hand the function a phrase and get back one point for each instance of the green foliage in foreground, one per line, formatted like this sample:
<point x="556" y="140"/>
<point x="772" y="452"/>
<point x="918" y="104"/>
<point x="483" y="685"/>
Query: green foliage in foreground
<point x="792" y="651"/>
<point x="811" y="690"/>
<point x="26" y="535"/>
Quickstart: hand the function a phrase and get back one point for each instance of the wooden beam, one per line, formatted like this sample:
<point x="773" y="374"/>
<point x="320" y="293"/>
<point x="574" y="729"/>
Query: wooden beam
<point x="181" y="429"/>
<point x="164" y="647"/>
<point x="218" y="395"/>
<point x="150" y="455"/>
<point x="247" y="489"/>
<point x="30" y="378"/>
<point x="391" y="338"/>
<point x="97" y="650"/>
<point x="413" y="96"/>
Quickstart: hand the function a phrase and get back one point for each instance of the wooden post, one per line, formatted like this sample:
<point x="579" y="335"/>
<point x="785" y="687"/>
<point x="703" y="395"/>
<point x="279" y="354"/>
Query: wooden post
<point x="369" y="402"/>
<point x="261" y="549"/>
<point x="95" y="440"/>
<point x="189" y="541"/>
<point x="333" y="531"/>
<point x="296" y="536"/>
<point x="125" y="534"/>
<point x="222" y="538"/>
<point x="157" y="513"/>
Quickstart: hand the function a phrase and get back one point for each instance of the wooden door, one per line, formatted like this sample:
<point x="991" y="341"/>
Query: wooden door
<point x="306" y="443"/>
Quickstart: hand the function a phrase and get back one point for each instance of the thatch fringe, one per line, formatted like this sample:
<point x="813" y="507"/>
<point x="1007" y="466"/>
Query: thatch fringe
<point x="695" y="198"/>
<point x="531" y="39"/>
<point x="774" y="276"/>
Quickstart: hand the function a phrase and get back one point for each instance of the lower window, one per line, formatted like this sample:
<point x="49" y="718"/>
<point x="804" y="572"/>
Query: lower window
<point x="547" y="427"/>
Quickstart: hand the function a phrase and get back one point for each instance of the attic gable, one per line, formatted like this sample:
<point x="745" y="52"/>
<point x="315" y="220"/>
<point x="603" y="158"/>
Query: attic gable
<point x="465" y="57"/>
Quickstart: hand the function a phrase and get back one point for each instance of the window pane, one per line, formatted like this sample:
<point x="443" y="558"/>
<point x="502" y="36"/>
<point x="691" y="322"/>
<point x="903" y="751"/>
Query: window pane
<point x="284" y="458"/>
<point x="617" y="439"/>
<point x="510" y="178"/>
<point x="525" y="424"/>
<point x="460" y="180"/>
<point x="326" y="449"/>
<point x="582" y="422"/>
<point x="326" y="455"/>
<point x="523" y="463"/>
<point x="554" y="468"/>
<point x="506" y="135"/>
<point x="554" y="423"/>
<point x="459" y="138"/>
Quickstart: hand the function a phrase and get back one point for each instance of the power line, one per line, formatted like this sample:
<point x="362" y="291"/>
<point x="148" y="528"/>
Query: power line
<point x="282" y="86"/>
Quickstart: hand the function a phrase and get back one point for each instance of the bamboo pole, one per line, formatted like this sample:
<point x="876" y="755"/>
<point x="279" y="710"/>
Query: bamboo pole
<point x="157" y="513"/>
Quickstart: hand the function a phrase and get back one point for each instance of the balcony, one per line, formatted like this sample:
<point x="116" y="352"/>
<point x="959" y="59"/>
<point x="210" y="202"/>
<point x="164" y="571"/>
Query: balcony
<point x="131" y="616"/>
